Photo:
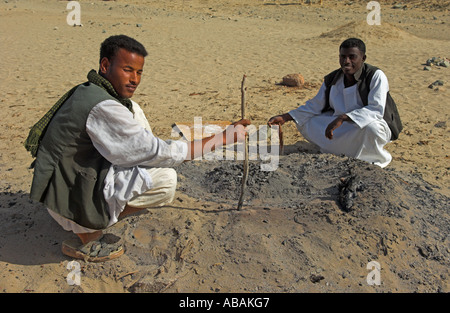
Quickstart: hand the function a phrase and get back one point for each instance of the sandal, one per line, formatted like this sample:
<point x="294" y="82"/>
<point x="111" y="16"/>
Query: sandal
<point x="99" y="250"/>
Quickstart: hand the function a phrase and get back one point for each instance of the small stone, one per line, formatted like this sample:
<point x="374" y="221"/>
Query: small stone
<point x="445" y="63"/>
<point x="138" y="25"/>
<point x="441" y="124"/>
<point x="437" y="61"/>
<point x="427" y="68"/>
<point x="436" y="83"/>
<point x="293" y="80"/>
<point x="316" y="278"/>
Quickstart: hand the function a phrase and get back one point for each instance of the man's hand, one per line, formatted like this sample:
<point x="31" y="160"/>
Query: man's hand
<point x="236" y="132"/>
<point x="279" y="119"/>
<point x="335" y="124"/>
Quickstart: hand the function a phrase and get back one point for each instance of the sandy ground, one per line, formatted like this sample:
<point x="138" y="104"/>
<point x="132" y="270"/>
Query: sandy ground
<point x="198" y="52"/>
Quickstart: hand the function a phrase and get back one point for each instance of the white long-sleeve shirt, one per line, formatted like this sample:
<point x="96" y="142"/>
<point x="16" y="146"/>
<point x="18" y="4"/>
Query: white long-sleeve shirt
<point x="126" y="140"/>
<point x="348" y="101"/>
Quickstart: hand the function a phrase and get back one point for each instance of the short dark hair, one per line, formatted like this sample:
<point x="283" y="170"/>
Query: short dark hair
<point x="352" y="43"/>
<point x="111" y="46"/>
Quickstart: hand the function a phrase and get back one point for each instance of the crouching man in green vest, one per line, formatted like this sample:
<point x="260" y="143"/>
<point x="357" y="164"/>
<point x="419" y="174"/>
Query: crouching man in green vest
<point x="353" y="113"/>
<point x="97" y="159"/>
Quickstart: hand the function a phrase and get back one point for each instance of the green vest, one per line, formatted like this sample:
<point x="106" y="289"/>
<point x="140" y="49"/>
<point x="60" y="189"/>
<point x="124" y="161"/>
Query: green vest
<point x="69" y="172"/>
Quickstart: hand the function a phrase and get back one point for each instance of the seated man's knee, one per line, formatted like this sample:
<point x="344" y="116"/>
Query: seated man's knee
<point x="170" y="183"/>
<point x="166" y="181"/>
<point x="170" y="178"/>
<point x="162" y="191"/>
<point x="376" y="130"/>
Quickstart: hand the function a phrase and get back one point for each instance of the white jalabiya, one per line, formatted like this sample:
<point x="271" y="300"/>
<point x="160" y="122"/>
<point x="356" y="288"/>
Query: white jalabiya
<point x="364" y="137"/>
<point x="141" y="173"/>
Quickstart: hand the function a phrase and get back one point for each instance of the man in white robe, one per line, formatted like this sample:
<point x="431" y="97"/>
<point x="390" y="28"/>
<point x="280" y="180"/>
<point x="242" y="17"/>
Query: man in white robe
<point x="349" y="128"/>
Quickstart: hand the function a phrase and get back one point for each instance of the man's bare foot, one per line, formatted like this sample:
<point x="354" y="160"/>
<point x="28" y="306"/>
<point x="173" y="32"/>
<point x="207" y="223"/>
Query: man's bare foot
<point x="129" y="210"/>
<point x="88" y="237"/>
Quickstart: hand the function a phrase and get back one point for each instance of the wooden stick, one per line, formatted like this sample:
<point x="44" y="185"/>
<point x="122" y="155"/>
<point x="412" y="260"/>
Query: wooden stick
<point x="280" y="138"/>
<point x="243" y="89"/>
<point x="126" y="274"/>
<point x="245" y="170"/>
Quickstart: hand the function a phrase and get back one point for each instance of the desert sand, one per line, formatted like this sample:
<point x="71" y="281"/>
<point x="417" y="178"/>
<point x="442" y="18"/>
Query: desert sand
<point x="292" y="234"/>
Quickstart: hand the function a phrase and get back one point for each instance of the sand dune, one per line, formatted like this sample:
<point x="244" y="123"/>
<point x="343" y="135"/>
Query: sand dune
<point x="366" y="32"/>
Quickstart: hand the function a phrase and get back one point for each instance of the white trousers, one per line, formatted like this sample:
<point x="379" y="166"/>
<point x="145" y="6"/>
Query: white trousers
<point x="164" y="182"/>
<point x="365" y="144"/>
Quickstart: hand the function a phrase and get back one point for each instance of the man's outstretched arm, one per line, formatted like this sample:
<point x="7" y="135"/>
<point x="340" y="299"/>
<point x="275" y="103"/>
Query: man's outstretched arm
<point x="232" y="134"/>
